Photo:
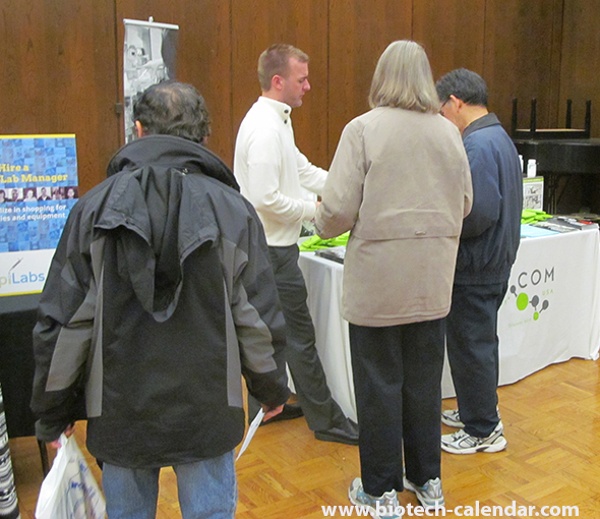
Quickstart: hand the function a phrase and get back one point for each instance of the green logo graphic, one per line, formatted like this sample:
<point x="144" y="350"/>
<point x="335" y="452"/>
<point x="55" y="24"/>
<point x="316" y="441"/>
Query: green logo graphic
<point x="523" y="301"/>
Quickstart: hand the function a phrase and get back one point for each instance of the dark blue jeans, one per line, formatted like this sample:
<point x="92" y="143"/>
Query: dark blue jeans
<point x="472" y="345"/>
<point x="397" y="373"/>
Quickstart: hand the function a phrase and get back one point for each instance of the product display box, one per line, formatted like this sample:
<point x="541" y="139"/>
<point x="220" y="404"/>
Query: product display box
<point x="533" y="193"/>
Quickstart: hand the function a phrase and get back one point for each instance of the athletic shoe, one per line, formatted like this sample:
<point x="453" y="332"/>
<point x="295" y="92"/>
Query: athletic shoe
<point x="462" y="443"/>
<point x="451" y="417"/>
<point x="429" y="495"/>
<point x="384" y="507"/>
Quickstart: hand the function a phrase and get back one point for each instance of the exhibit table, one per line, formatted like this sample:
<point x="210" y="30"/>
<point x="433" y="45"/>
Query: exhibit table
<point x="18" y="315"/>
<point x="551" y="311"/>
<point x="17" y="318"/>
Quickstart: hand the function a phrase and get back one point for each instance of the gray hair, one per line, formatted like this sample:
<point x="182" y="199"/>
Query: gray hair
<point x="173" y="108"/>
<point x="403" y="79"/>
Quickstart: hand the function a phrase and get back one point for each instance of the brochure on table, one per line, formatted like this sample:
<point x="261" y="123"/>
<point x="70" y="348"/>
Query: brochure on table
<point x="38" y="188"/>
<point x="533" y="193"/>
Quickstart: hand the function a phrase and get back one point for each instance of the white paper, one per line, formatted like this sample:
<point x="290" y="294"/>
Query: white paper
<point x="251" y="430"/>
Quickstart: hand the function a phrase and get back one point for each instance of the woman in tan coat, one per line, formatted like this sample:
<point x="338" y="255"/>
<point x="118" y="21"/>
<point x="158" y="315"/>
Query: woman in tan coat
<point x="400" y="182"/>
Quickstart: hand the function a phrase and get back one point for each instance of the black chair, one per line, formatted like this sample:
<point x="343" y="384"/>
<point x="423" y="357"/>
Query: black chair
<point x="568" y="132"/>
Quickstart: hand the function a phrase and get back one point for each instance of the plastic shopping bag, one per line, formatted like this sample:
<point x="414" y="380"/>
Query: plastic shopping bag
<point x="70" y="491"/>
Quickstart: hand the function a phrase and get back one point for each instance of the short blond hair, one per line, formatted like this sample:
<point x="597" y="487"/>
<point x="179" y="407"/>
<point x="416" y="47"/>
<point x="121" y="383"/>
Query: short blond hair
<point x="403" y="79"/>
<point x="275" y="61"/>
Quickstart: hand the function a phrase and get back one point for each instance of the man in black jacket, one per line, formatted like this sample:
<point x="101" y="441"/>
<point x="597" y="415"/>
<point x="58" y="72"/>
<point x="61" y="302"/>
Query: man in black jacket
<point x="159" y="297"/>
<point x="488" y="247"/>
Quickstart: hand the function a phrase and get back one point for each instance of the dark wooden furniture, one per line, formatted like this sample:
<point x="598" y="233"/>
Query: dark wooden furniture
<point x="17" y="319"/>
<point x="559" y="153"/>
<point x="535" y="133"/>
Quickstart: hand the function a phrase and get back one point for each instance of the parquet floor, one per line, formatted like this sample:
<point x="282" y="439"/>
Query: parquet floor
<point x="552" y="424"/>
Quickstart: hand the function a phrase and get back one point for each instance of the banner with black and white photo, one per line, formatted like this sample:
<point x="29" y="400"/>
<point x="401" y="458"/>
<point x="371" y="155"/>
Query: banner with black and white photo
<point x="150" y="53"/>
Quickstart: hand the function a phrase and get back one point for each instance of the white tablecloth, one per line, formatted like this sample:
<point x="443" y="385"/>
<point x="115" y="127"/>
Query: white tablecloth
<point x="551" y="312"/>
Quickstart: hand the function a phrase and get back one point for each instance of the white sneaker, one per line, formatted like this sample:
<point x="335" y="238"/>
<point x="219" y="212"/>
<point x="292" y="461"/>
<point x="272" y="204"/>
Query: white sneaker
<point x="429" y="495"/>
<point x="451" y="417"/>
<point x="462" y="443"/>
<point x="383" y="507"/>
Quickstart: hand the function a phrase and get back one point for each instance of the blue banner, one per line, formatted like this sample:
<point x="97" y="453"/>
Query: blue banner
<point x="38" y="187"/>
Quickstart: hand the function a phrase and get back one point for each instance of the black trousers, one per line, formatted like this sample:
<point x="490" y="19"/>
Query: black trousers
<point x="397" y="382"/>
<point x="320" y="409"/>
<point x="472" y="345"/>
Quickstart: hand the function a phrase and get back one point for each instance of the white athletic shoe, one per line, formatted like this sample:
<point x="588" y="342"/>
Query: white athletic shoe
<point x="383" y="507"/>
<point x="451" y="417"/>
<point x="429" y="495"/>
<point x="462" y="443"/>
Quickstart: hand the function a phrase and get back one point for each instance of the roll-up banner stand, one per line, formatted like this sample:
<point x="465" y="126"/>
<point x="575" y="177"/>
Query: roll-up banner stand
<point x="149" y="57"/>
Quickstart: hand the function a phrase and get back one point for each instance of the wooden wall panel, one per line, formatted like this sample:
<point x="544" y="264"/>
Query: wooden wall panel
<point x="358" y="33"/>
<point x="302" y="23"/>
<point x="520" y="57"/>
<point x="62" y="60"/>
<point x="59" y="76"/>
<point x="203" y="54"/>
<point x="452" y="33"/>
<point x="579" y="77"/>
<point x="580" y="81"/>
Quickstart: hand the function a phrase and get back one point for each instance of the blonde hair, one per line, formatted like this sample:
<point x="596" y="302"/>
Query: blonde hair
<point x="403" y="79"/>
<point x="276" y="61"/>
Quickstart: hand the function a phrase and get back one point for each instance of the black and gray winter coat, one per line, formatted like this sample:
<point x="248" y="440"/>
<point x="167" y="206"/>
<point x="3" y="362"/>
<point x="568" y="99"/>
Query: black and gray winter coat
<point x="160" y="295"/>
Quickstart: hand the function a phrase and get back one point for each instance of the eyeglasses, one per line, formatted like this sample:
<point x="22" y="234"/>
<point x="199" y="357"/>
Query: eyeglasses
<point x="444" y="104"/>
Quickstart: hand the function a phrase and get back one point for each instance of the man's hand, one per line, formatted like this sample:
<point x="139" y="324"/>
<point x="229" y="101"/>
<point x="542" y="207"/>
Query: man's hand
<point x="67" y="432"/>
<point x="270" y="412"/>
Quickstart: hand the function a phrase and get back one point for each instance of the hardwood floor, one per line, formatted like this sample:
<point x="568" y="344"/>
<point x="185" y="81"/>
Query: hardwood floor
<point x="552" y="424"/>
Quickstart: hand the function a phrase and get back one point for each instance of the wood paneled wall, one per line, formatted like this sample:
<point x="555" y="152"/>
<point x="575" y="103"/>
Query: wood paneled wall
<point x="62" y="61"/>
<point x="452" y="32"/>
<point x="256" y="25"/>
<point x="58" y="75"/>
<point x="580" y="60"/>
<point x="356" y="40"/>
<point x="521" y="56"/>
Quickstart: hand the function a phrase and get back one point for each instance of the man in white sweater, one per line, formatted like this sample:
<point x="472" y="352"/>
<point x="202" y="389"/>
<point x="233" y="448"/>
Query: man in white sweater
<point x="272" y="173"/>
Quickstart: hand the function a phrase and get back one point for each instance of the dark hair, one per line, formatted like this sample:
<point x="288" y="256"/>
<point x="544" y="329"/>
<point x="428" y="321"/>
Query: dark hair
<point x="173" y="108"/>
<point x="466" y="85"/>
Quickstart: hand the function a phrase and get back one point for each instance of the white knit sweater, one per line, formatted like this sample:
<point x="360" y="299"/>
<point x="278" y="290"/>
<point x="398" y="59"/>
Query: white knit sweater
<point x="272" y="171"/>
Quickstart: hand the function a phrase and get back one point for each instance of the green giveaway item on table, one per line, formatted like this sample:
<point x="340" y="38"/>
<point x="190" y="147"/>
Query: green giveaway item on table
<point x="534" y="215"/>
<point x="315" y="242"/>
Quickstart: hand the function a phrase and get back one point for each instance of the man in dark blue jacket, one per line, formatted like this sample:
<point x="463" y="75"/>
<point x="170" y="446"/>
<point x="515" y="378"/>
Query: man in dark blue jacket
<point x="488" y="247"/>
<point x="160" y="296"/>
